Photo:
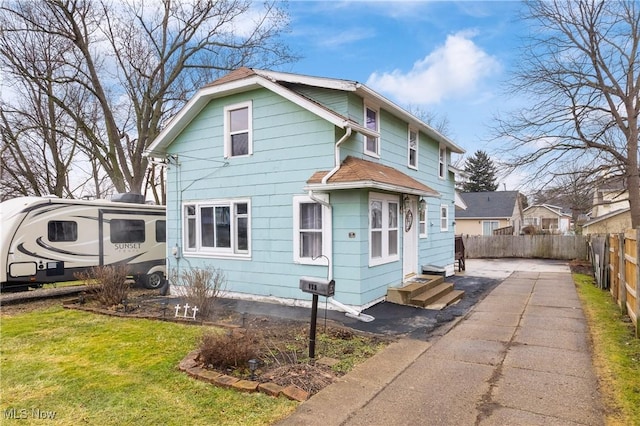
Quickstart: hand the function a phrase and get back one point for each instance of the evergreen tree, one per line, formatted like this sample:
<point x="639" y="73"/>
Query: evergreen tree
<point x="481" y="173"/>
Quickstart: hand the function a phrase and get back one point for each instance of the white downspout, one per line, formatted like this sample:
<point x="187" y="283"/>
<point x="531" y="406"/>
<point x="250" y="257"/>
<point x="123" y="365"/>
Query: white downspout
<point x="349" y="311"/>
<point x="336" y="167"/>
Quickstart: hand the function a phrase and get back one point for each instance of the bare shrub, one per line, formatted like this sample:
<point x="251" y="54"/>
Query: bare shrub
<point x="201" y="287"/>
<point x="108" y="284"/>
<point x="229" y="350"/>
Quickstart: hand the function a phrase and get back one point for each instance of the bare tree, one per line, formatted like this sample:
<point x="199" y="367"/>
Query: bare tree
<point x="580" y="74"/>
<point x="131" y="64"/>
<point x="573" y="191"/>
<point x="432" y="118"/>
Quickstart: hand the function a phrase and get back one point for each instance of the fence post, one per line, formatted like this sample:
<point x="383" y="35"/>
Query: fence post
<point x="636" y="308"/>
<point x="622" y="272"/>
<point x="622" y="293"/>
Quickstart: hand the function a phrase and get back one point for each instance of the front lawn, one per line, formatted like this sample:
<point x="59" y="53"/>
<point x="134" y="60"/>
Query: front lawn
<point x="92" y="369"/>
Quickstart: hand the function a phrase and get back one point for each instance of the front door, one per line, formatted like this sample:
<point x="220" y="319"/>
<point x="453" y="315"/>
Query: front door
<point x="410" y="237"/>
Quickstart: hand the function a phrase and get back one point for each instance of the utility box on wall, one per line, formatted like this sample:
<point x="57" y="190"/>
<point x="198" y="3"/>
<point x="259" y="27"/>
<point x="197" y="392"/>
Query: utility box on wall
<point x="318" y="286"/>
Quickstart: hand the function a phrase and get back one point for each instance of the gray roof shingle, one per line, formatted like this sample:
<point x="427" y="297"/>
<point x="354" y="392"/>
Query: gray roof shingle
<point x="497" y="204"/>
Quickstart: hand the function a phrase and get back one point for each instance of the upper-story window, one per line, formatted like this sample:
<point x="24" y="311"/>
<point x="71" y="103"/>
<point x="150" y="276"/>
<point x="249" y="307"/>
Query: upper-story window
<point x="442" y="162"/>
<point x="238" y="130"/>
<point x="371" y="122"/>
<point x="412" y="149"/>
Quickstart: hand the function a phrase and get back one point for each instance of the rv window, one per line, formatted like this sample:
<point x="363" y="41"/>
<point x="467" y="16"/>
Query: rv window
<point x="62" y="230"/>
<point x="161" y="231"/>
<point x="127" y="231"/>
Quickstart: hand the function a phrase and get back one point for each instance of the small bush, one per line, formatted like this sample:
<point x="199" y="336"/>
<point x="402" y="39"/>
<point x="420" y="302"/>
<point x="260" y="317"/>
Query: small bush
<point x="229" y="350"/>
<point x="108" y="284"/>
<point x="201" y="287"/>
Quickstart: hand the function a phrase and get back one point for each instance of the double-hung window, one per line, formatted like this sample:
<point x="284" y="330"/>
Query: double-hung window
<point x="217" y="228"/>
<point x="412" y="149"/>
<point x="371" y="122"/>
<point x="311" y="230"/>
<point x="383" y="229"/>
<point x="442" y="162"/>
<point x="444" y="217"/>
<point x="238" y="132"/>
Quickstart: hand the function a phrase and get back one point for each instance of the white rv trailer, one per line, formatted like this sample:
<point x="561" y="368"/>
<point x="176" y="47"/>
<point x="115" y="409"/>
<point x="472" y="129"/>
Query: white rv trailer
<point x="48" y="239"/>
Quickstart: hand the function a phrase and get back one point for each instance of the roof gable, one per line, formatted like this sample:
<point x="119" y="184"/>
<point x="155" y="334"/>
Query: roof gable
<point x="557" y="210"/>
<point x="244" y="79"/>
<point x="496" y="204"/>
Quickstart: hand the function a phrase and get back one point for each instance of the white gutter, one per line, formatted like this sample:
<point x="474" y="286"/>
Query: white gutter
<point x="336" y="166"/>
<point x="350" y="312"/>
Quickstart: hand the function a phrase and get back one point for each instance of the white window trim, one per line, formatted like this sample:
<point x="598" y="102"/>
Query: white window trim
<point x="444" y="219"/>
<point x="412" y="166"/>
<point x="386" y="199"/>
<point x="216" y="252"/>
<point x="326" y="230"/>
<point x="227" y="128"/>
<point x="377" y="130"/>
<point x="442" y="162"/>
<point x="422" y="219"/>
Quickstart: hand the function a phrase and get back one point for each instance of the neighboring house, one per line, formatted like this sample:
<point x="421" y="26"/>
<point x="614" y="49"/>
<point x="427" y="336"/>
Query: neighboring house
<point x="547" y="218"/>
<point x="615" y="222"/>
<point x="609" y="197"/>
<point x="610" y="212"/>
<point x="274" y="176"/>
<point x="487" y="211"/>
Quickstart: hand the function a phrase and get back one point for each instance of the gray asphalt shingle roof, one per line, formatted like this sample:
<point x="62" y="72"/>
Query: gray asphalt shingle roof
<point x="497" y="204"/>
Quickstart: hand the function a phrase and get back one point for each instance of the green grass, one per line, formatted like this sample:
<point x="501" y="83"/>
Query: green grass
<point x="616" y="352"/>
<point x="93" y="369"/>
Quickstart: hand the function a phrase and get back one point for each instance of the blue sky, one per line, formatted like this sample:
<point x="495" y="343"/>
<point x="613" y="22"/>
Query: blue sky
<point x="447" y="57"/>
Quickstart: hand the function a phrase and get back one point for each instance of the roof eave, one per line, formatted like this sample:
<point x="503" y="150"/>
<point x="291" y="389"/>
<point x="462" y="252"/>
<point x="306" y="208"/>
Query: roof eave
<point x="370" y="184"/>
<point x="365" y="92"/>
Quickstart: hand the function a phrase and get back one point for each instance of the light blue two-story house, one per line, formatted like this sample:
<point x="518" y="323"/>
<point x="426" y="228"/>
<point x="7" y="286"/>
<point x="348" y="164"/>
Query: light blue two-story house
<point x="274" y="176"/>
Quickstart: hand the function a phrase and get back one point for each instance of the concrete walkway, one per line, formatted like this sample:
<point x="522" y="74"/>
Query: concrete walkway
<point x="520" y="357"/>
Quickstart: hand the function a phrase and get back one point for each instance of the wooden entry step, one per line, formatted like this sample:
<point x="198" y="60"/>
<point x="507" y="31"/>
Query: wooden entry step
<point x="425" y="291"/>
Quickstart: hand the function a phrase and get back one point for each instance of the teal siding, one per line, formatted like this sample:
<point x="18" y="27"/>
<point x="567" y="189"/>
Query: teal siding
<point x="335" y="100"/>
<point x="289" y="145"/>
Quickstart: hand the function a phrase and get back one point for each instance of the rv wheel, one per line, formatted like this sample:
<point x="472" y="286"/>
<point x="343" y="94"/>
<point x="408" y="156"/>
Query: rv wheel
<point x="154" y="281"/>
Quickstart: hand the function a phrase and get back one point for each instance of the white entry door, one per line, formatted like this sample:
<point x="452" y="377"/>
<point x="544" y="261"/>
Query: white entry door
<point x="410" y="237"/>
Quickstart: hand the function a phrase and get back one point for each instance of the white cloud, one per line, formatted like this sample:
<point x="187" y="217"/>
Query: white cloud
<point x="346" y="37"/>
<point x="452" y="70"/>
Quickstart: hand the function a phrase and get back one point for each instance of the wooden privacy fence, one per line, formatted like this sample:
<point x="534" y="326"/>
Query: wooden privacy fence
<point x="623" y="272"/>
<point x="567" y="247"/>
